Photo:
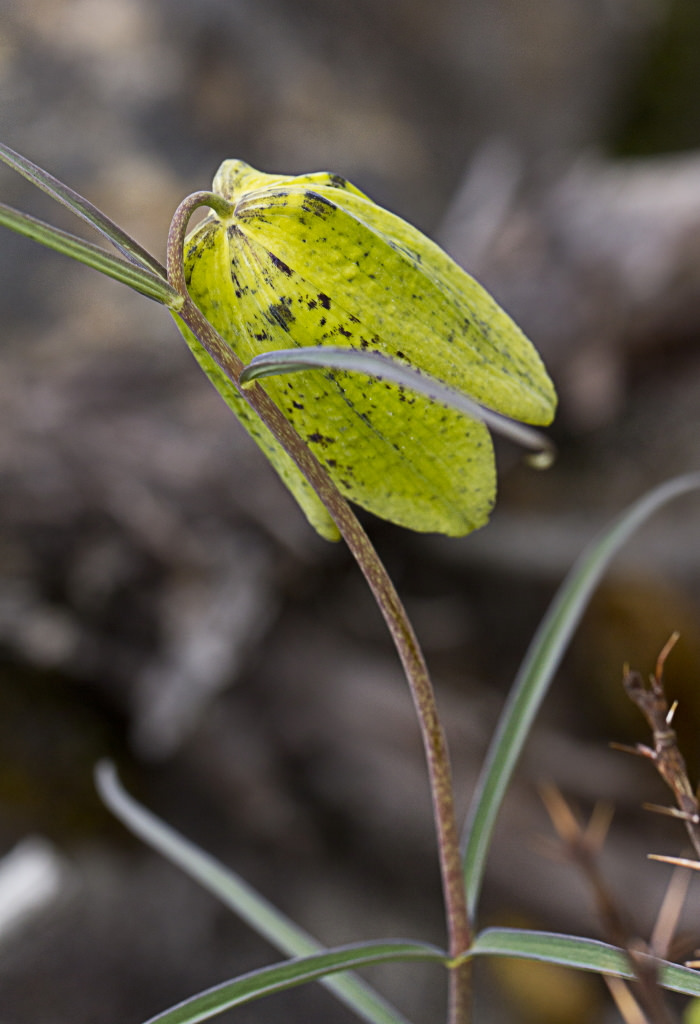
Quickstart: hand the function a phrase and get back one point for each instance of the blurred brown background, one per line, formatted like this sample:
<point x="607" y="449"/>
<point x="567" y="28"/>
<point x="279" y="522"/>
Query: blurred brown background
<point x="163" y="602"/>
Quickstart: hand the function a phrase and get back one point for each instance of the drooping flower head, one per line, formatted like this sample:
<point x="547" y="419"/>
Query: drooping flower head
<point x="311" y="260"/>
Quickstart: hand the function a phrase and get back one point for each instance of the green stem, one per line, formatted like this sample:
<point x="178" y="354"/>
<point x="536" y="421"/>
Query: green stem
<point x="387" y="599"/>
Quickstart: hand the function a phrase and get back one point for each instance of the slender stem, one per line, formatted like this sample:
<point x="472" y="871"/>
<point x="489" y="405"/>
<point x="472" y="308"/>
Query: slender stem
<point x="389" y="603"/>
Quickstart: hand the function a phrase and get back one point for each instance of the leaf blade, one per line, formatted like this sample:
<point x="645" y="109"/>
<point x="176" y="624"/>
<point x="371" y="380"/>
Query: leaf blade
<point x="375" y="364"/>
<point x="278" y="978"/>
<point x="236" y="894"/>
<point x="82" y="208"/>
<point x="578" y="953"/>
<point x="124" y="271"/>
<point x="537" y="670"/>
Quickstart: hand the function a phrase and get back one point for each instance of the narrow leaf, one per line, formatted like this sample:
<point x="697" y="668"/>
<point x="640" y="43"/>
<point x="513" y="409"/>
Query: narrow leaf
<point x="538" y="668"/>
<point x="236" y="894"/>
<point x="269" y="980"/>
<point x="80" y="206"/>
<point x="374" y="364"/>
<point x="138" y="278"/>
<point x="582" y="954"/>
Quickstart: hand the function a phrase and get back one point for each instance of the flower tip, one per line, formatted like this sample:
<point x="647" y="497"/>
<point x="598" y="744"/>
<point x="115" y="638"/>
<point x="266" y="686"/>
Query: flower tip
<point x="542" y="459"/>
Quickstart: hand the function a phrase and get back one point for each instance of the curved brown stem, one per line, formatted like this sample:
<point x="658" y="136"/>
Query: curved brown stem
<point x="387" y="599"/>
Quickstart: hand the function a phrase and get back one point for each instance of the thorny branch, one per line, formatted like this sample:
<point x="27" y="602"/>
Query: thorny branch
<point x="582" y="845"/>
<point x="670" y="763"/>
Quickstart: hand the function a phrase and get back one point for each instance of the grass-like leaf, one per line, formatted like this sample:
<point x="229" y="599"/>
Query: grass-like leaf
<point x="269" y="980"/>
<point x="541" y="662"/>
<point x="125" y="271"/>
<point x="80" y="206"/>
<point x="236" y="894"/>
<point x="582" y="954"/>
<point x="374" y="364"/>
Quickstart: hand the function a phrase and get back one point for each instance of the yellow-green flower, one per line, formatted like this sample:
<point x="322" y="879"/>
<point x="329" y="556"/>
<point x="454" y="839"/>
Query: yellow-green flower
<point x="311" y="260"/>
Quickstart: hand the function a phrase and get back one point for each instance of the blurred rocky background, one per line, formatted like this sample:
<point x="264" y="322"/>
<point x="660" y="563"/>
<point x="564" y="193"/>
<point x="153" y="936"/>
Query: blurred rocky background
<point x="162" y="601"/>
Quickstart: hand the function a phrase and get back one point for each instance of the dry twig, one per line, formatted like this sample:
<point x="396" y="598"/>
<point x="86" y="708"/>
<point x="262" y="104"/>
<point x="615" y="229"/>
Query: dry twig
<point x="582" y="846"/>
<point x="670" y="763"/>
